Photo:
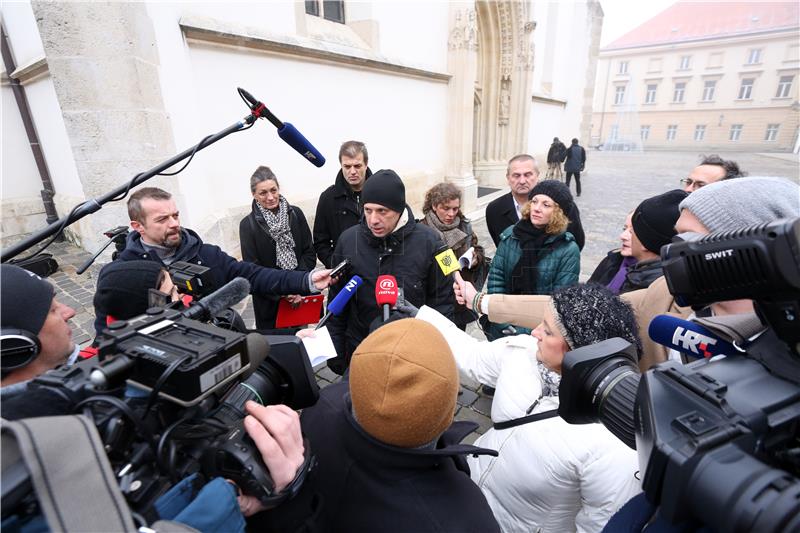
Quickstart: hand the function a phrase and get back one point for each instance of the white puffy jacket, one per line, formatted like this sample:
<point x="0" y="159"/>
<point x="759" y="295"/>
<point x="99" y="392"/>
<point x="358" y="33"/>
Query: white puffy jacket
<point x="550" y="476"/>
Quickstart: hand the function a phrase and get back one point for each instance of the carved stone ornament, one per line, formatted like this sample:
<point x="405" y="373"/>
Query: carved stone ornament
<point x="464" y="35"/>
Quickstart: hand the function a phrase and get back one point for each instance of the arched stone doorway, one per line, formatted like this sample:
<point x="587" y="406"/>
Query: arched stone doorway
<point x="490" y="58"/>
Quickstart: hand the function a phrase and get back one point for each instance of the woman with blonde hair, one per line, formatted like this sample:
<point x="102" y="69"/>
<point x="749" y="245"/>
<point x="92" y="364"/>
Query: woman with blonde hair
<point x="442" y="210"/>
<point x="537" y="255"/>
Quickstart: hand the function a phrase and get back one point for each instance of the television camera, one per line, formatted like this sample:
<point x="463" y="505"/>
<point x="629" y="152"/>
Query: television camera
<point x="717" y="439"/>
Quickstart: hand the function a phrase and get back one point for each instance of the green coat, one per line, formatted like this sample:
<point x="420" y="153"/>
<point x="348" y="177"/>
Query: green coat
<point x="558" y="268"/>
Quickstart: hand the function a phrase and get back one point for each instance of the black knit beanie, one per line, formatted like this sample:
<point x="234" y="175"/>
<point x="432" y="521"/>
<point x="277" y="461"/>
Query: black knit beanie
<point x="385" y="188"/>
<point x="587" y="313"/>
<point x="25" y="300"/>
<point x="555" y="190"/>
<point x="123" y="288"/>
<point x="654" y="219"/>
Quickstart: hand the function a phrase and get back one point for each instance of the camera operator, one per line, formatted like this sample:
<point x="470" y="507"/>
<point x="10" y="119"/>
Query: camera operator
<point x="159" y="237"/>
<point x="35" y="332"/>
<point x="722" y="206"/>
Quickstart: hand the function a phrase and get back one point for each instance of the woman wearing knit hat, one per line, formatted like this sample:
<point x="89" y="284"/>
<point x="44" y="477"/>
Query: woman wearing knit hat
<point x="549" y="475"/>
<point x="537" y="255"/>
<point x="275" y="235"/>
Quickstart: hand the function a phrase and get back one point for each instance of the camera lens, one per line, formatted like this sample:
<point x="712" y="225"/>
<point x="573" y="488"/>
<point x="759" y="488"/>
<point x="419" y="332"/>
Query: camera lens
<point x="263" y="386"/>
<point x="614" y="384"/>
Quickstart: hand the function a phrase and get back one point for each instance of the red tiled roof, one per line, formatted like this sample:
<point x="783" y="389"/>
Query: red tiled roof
<point x="687" y="21"/>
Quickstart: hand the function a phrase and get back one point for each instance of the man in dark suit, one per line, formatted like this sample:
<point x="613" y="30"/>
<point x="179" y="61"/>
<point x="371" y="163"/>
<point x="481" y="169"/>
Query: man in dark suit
<point x="523" y="175"/>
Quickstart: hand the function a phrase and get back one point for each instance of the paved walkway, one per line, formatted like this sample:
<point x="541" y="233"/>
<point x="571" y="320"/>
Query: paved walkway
<point x="612" y="187"/>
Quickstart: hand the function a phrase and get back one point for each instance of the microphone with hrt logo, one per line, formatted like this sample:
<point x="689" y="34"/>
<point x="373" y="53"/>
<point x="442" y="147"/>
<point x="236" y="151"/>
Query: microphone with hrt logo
<point x="386" y="293"/>
<point x="688" y="337"/>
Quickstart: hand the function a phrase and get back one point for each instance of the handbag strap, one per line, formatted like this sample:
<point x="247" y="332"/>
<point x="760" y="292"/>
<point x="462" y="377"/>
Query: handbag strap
<point x="76" y="488"/>
<point x="526" y="419"/>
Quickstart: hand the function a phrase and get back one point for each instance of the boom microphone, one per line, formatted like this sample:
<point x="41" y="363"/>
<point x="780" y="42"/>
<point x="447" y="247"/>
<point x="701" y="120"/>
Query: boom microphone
<point x="688" y="337"/>
<point x="386" y="293"/>
<point x="286" y="131"/>
<point x="337" y="305"/>
<point x="229" y="294"/>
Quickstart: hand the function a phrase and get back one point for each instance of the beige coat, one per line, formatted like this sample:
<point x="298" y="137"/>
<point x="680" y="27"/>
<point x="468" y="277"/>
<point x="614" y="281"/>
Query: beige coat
<point x="527" y="311"/>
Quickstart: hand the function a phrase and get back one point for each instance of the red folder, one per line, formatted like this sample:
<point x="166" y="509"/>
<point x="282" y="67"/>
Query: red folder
<point x="308" y="312"/>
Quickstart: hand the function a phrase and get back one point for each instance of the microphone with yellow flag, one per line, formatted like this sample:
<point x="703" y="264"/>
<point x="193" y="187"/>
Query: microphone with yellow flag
<point x="447" y="261"/>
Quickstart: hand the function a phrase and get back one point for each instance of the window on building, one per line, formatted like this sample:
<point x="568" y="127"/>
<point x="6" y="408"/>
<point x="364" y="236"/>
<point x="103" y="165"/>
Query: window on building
<point x="619" y="94"/>
<point x="650" y="95"/>
<point x="686" y="63"/>
<point x="332" y="10"/>
<point x="699" y="132"/>
<point x="754" y="56"/>
<point x="672" y="132"/>
<point x="736" y="132"/>
<point x="746" y="89"/>
<point x="614" y="135"/>
<point x="680" y="90"/>
<point x="772" y="132"/>
<point x="644" y="132"/>
<point x="784" y="87"/>
<point x="793" y="52"/>
<point x="623" y="67"/>
<point x="708" y="90"/>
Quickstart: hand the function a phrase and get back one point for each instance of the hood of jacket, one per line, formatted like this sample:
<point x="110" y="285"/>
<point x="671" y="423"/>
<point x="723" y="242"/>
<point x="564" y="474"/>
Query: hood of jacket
<point x="645" y="272"/>
<point x="188" y="249"/>
<point x="341" y="186"/>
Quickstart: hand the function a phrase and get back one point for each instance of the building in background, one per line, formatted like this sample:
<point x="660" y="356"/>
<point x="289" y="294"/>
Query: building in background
<point x="437" y="90"/>
<point x="703" y="75"/>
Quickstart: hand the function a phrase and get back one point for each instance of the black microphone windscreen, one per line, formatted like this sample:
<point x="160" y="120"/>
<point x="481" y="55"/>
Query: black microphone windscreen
<point x="229" y="294"/>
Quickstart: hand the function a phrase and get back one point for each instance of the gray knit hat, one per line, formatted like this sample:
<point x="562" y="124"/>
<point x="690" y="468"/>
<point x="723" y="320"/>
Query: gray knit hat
<point x="25" y="299"/>
<point x="587" y="313"/>
<point x="738" y="203"/>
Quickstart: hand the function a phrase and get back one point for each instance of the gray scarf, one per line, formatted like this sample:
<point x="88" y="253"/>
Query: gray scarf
<point x="451" y="233"/>
<point x="278" y="228"/>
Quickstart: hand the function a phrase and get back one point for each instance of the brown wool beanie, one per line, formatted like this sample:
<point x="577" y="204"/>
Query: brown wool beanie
<point x="404" y="383"/>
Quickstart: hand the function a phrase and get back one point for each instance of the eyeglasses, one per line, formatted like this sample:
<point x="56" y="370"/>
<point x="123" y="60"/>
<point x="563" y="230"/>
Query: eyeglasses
<point x="689" y="182"/>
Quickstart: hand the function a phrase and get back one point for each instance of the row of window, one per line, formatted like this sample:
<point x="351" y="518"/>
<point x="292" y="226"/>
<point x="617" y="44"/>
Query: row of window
<point x="752" y="57"/>
<point x="735" y="133"/>
<point x="332" y="10"/>
<point x="709" y="88"/>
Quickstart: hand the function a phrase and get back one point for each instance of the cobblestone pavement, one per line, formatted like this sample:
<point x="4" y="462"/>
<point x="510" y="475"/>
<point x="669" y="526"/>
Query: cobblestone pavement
<point x="613" y="185"/>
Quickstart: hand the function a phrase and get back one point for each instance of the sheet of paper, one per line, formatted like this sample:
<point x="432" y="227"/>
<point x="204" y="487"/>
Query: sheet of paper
<point x="319" y="347"/>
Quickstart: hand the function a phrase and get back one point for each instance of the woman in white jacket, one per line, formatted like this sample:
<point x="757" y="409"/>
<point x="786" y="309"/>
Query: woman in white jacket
<point x="550" y="476"/>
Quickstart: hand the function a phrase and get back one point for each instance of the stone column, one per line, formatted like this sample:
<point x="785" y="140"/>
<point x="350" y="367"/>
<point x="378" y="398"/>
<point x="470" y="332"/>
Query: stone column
<point x="103" y="61"/>
<point x="462" y="63"/>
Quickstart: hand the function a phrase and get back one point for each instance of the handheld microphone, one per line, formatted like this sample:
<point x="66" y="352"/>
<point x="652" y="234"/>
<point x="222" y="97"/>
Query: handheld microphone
<point x="229" y="294"/>
<point x="688" y="337"/>
<point x="386" y="293"/>
<point x="466" y="258"/>
<point x="446" y="258"/>
<point x="286" y="131"/>
<point x="337" y="305"/>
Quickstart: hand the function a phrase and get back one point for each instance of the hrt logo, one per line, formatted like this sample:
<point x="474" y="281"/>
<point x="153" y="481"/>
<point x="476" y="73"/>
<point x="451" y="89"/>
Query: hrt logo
<point x="719" y="255"/>
<point x="693" y="341"/>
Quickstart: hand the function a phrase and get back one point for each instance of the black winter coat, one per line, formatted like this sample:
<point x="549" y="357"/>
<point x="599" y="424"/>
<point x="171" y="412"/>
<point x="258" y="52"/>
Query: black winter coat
<point x="408" y="255"/>
<point x="500" y="214"/>
<point x="337" y="210"/>
<point x="557" y="152"/>
<point x="575" y="159"/>
<point x="258" y="247"/>
<point x="605" y="271"/>
<point x="370" y="486"/>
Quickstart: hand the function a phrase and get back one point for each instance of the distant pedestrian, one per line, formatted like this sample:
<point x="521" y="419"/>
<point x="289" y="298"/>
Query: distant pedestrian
<point x="555" y="156"/>
<point x="574" y="163"/>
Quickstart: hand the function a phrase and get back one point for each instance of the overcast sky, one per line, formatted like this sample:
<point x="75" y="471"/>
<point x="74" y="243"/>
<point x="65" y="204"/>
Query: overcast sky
<point x="621" y="16"/>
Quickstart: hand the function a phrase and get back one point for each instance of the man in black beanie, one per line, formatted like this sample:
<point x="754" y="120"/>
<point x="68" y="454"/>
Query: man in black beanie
<point x="35" y="332"/>
<point x="387" y="241"/>
<point x="652" y="226"/>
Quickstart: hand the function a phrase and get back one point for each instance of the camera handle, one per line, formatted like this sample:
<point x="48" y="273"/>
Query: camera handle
<point x="95" y="204"/>
<point x="112" y="238"/>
